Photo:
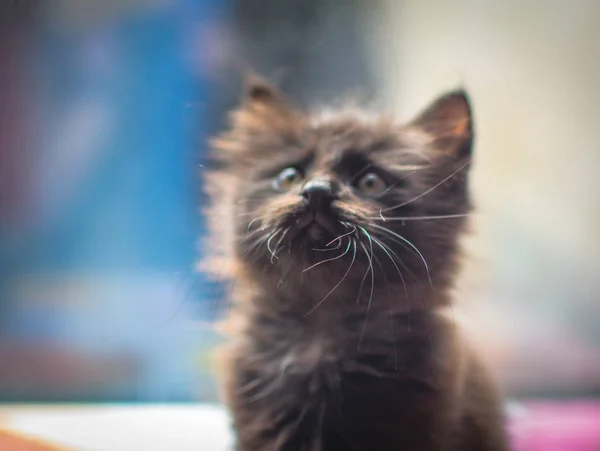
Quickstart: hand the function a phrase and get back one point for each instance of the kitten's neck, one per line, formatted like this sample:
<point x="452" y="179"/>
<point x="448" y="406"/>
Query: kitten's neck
<point x="307" y="302"/>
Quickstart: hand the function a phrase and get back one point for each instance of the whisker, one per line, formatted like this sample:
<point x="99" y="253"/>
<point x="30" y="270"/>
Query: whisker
<point x="389" y="295"/>
<point x="331" y="249"/>
<point x="385" y="249"/>
<point x="331" y="259"/>
<point x="345" y="224"/>
<point x="340" y="237"/>
<point x="362" y="283"/>
<point x="371" y="295"/>
<point x="412" y="246"/>
<point x="445" y="179"/>
<point x="257" y="243"/>
<point x="389" y="188"/>
<point x="359" y="173"/>
<point x="263" y="218"/>
<point x="273" y="235"/>
<point x="259" y="218"/>
<point x="410" y="273"/>
<point x="280" y="240"/>
<point x="252" y="222"/>
<point x="337" y="285"/>
<point x="420" y="218"/>
<point x="287" y="229"/>
<point x="252" y="234"/>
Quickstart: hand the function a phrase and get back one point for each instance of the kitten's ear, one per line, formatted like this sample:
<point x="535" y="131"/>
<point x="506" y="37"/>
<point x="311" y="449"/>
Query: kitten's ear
<point x="263" y="109"/>
<point x="448" y="122"/>
<point x="259" y="93"/>
<point x="264" y="120"/>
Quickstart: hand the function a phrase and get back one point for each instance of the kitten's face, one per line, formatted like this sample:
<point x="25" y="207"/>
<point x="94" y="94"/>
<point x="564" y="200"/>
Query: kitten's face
<point x="348" y="194"/>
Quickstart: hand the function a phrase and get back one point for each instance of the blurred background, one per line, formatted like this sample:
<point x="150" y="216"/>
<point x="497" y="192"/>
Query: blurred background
<point x="105" y="109"/>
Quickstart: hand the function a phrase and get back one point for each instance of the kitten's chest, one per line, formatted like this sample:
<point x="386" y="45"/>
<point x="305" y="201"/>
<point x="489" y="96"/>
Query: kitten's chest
<point x="320" y="390"/>
<point x="298" y="351"/>
<point x="330" y="360"/>
<point x="305" y="357"/>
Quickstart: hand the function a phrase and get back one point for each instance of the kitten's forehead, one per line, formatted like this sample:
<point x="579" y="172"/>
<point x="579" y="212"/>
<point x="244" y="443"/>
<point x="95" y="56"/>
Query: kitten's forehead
<point x="342" y="134"/>
<point x="338" y="133"/>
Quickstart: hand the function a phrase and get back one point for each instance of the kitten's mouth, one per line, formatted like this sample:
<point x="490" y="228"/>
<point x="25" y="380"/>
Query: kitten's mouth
<point x="316" y="226"/>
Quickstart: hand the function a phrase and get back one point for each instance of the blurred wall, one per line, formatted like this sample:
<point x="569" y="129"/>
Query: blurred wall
<point x="97" y="281"/>
<point x="533" y="72"/>
<point x="314" y="50"/>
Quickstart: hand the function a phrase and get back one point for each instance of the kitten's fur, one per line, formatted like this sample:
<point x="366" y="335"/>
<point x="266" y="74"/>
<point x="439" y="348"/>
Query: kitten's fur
<point x="357" y="352"/>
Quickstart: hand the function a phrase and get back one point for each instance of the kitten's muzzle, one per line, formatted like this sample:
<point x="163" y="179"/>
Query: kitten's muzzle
<point x="318" y="217"/>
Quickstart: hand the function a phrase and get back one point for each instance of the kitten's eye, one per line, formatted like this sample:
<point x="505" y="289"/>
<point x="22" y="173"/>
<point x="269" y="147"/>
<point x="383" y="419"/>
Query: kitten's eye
<point x="371" y="184"/>
<point x="286" y="179"/>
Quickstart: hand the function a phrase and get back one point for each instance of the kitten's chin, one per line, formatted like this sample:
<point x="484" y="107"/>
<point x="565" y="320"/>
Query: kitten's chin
<point x="316" y="233"/>
<point x="311" y="236"/>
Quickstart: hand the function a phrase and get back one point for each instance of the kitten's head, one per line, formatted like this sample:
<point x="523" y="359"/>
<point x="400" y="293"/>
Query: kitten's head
<point x="356" y="193"/>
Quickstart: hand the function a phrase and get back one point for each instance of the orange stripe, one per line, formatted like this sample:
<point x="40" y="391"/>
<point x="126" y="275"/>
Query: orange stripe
<point x="12" y="441"/>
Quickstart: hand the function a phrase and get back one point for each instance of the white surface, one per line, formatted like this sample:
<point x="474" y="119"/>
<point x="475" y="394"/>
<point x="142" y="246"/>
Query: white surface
<point x="124" y="427"/>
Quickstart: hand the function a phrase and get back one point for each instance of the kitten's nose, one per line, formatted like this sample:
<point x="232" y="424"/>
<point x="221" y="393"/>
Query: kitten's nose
<point x="319" y="192"/>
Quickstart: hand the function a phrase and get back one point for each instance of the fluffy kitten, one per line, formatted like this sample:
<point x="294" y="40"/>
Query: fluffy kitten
<point x="340" y="235"/>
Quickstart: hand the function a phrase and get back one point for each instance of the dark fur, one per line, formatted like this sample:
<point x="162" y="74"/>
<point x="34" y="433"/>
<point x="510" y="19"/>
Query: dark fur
<point x="375" y="363"/>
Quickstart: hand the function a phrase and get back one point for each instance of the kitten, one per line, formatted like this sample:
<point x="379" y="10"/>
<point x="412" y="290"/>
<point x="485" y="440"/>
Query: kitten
<point x="340" y="234"/>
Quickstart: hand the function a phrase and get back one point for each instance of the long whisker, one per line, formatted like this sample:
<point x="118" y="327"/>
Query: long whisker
<point x="370" y="257"/>
<point x="410" y="273"/>
<point x="421" y="218"/>
<point x="279" y="241"/>
<point x="362" y="282"/>
<point x="393" y="185"/>
<point x="412" y="246"/>
<point x="257" y="243"/>
<point x="389" y="295"/>
<point x="331" y="259"/>
<point x="427" y="191"/>
<point x="252" y="222"/>
<point x="328" y="250"/>
<point x="384" y="248"/>
<point x="273" y="235"/>
<point x="337" y="285"/>
<point x="282" y="237"/>
<point x="340" y="237"/>
<point x="253" y="233"/>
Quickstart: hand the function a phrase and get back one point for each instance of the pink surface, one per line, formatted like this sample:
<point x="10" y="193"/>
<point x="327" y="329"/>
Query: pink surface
<point x="555" y="426"/>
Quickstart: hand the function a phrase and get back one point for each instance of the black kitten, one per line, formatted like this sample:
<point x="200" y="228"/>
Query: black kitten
<point x="341" y="236"/>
